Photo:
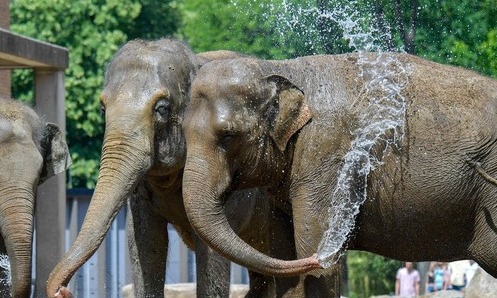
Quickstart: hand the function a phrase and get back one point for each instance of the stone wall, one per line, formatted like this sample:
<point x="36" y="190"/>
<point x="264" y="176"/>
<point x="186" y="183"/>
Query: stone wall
<point x="187" y="290"/>
<point x="482" y="285"/>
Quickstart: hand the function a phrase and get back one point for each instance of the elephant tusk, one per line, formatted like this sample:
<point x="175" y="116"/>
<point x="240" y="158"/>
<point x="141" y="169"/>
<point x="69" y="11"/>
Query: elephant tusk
<point x="485" y="176"/>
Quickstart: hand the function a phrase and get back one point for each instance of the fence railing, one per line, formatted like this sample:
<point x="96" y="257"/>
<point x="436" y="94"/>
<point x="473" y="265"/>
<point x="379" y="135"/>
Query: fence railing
<point x="108" y="270"/>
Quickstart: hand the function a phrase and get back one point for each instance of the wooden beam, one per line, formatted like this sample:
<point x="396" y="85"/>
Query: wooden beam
<point x="17" y="51"/>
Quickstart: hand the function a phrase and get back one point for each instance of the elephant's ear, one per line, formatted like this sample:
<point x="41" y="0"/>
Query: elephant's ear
<point x="290" y="113"/>
<point x="56" y="157"/>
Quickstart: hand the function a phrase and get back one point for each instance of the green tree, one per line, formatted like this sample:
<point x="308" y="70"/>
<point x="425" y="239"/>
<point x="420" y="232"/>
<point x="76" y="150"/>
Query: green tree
<point x="460" y="33"/>
<point x="452" y="32"/>
<point x="286" y="28"/>
<point x="230" y="25"/>
<point x="157" y="19"/>
<point x="92" y="31"/>
<point x="370" y="274"/>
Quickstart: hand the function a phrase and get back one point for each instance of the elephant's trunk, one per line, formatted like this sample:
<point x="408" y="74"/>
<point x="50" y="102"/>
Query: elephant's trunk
<point x="203" y="198"/>
<point x="123" y="163"/>
<point x="16" y="224"/>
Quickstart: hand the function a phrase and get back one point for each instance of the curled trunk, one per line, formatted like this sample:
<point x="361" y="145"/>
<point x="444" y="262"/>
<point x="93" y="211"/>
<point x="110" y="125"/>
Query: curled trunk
<point x="203" y="192"/>
<point x="118" y="177"/>
<point x="16" y="224"/>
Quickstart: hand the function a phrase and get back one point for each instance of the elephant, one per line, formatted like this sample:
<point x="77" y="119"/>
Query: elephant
<point x="44" y="153"/>
<point x="288" y="126"/>
<point x="145" y="94"/>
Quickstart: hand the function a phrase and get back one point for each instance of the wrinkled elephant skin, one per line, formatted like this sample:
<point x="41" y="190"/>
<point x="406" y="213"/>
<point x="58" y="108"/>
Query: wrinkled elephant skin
<point x="145" y="95"/>
<point x="287" y="125"/>
<point x="31" y="151"/>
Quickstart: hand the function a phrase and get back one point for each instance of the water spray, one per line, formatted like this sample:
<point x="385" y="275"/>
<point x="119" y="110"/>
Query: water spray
<point x="383" y="120"/>
<point x="381" y="123"/>
<point x="6" y="278"/>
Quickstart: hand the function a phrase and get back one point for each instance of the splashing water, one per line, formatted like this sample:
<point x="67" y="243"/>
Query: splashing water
<point x="348" y="15"/>
<point x="384" y="115"/>
<point x="381" y="123"/>
<point x="6" y="277"/>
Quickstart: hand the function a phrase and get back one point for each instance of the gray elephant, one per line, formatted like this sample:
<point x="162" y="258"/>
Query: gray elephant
<point x="289" y="126"/>
<point x="31" y="151"/>
<point x="146" y="92"/>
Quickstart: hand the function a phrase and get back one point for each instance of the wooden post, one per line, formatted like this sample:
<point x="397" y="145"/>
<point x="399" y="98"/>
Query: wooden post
<point x="51" y="197"/>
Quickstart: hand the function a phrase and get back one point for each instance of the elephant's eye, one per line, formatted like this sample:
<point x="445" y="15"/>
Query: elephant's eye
<point x="227" y="135"/>
<point x="162" y="107"/>
<point x="227" y="139"/>
<point x="102" y="111"/>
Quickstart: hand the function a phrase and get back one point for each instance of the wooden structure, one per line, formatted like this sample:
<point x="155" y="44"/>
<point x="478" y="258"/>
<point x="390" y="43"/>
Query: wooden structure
<point x="48" y="62"/>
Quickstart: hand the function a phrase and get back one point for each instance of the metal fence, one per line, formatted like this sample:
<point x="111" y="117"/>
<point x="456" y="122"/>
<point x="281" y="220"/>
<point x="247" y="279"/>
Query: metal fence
<point x="108" y="270"/>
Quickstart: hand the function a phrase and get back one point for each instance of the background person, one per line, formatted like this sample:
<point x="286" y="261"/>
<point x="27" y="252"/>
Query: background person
<point x="458" y="274"/>
<point x="439" y="277"/>
<point x="407" y="281"/>
<point x="430" y="278"/>
<point x="446" y="285"/>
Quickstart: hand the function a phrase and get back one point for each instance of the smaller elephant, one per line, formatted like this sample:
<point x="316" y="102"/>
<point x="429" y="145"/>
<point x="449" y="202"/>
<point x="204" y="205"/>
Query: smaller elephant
<point x="289" y="126"/>
<point x="44" y="153"/>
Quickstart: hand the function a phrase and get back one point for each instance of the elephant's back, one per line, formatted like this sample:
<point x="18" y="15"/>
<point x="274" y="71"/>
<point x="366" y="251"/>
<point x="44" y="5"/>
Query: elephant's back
<point x="449" y="85"/>
<point x="449" y="109"/>
<point x="429" y="184"/>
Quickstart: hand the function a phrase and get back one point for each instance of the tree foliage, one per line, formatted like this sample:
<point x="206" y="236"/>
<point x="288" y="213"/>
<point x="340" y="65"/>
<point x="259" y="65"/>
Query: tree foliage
<point x="92" y="31"/>
<point x="370" y="274"/>
<point x="460" y="33"/>
<point x="267" y="29"/>
<point x="231" y="25"/>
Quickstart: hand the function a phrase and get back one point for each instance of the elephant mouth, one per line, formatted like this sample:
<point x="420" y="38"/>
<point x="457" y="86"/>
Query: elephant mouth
<point x="166" y="166"/>
<point x="161" y="171"/>
<point x="165" y="180"/>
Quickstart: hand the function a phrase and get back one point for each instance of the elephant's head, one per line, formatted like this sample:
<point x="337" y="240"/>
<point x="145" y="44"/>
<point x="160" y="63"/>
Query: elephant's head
<point x="239" y="131"/>
<point x="31" y="151"/>
<point x="146" y="91"/>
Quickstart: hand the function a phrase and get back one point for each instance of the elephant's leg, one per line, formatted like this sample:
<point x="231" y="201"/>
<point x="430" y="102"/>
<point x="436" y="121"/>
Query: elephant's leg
<point x="310" y="218"/>
<point x="282" y="246"/>
<point x="323" y="286"/>
<point x="148" y="244"/>
<point x="485" y="238"/>
<point x="261" y="286"/>
<point x="310" y="286"/>
<point x="213" y="272"/>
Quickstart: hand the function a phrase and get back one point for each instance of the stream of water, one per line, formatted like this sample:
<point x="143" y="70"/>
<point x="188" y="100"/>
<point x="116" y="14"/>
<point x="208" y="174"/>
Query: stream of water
<point x="384" y="115"/>
<point x="383" y="119"/>
<point x="381" y="122"/>
<point x="5" y="276"/>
